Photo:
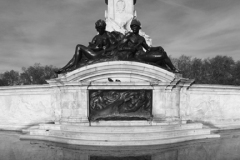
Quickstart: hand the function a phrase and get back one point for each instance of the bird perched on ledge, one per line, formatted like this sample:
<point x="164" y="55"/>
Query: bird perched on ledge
<point x="110" y="80"/>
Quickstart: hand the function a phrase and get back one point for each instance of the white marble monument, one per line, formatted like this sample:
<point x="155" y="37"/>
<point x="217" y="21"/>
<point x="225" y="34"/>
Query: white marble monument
<point x="70" y="93"/>
<point x="119" y="15"/>
<point x="65" y="101"/>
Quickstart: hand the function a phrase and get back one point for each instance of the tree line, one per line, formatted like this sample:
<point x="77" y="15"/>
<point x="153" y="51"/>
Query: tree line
<point x="217" y="70"/>
<point x="35" y="74"/>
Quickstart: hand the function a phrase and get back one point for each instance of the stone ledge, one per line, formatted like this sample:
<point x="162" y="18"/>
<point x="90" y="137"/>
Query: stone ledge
<point x="113" y="143"/>
<point x="131" y="70"/>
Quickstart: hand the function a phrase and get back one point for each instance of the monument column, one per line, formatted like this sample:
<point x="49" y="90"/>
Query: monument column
<point x="117" y="8"/>
<point x="119" y="14"/>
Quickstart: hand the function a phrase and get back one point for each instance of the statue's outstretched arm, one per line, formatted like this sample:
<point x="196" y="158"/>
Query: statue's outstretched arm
<point x="145" y="45"/>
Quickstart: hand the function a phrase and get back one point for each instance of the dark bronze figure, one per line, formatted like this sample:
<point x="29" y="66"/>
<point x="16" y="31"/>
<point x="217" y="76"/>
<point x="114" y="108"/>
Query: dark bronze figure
<point x="98" y="48"/>
<point x="112" y="46"/>
<point x="120" y="105"/>
<point x="131" y="47"/>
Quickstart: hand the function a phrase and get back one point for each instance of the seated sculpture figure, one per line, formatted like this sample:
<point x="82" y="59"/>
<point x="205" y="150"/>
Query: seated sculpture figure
<point x="100" y="45"/>
<point x="108" y="46"/>
<point x="131" y="47"/>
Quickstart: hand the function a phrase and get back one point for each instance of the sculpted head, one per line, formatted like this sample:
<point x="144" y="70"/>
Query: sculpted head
<point x="135" y="25"/>
<point x="136" y="22"/>
<point x="100" y="26"/>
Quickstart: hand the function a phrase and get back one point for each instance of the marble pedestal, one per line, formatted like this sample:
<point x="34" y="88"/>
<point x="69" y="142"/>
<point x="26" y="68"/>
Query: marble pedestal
<point x="71" y="94"/>
<point x="72" y="89"/>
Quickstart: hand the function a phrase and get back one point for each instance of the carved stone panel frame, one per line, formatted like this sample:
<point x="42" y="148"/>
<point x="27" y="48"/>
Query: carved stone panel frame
<point x="120" y="105"/>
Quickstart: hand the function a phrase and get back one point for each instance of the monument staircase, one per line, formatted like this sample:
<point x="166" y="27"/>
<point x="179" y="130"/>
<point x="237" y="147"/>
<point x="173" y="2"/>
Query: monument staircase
<point x="123" y="133"/>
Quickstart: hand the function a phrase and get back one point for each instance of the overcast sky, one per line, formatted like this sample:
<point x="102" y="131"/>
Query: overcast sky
<point x="47" y="31"/>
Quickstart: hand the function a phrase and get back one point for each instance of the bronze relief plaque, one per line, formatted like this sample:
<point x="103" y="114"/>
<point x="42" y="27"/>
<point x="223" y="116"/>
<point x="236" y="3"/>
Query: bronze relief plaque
<point x="120" y="105"/>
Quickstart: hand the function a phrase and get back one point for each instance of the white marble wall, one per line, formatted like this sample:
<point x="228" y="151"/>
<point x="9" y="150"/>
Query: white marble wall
<point x="24" y="106"/>
<point x="210" y="103"/>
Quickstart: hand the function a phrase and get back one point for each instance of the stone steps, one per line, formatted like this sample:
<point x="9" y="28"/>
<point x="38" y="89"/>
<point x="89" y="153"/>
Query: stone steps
<point x="227" y="126"/>
<point x="134" y="136"/>
<point x="118" y="129"/>
<point x="119" y="135"/>
<point x="134" y="123"/>
<point x="117" y="143"/>
<point x="131" y="129"/>
<point x="50" y="126"/>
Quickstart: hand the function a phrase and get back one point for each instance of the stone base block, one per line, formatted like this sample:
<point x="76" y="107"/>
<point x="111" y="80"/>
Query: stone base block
<point x="120" y="135"/>
<point x="119" y="143"/>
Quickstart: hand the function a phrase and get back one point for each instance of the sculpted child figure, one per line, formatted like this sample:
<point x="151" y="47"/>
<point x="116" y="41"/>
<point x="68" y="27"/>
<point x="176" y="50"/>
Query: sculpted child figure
<point x="100" y="44"/>
<point x="132" y="46"/>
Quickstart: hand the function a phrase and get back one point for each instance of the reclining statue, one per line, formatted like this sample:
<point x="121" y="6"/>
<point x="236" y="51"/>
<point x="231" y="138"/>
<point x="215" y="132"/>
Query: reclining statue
<point x="132" y="47"/>
<point x="98" y="48"/>
<point x="108" y="46"/>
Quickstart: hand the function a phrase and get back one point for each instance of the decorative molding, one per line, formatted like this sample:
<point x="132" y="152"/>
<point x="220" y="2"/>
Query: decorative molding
<point x="125" y="71"/>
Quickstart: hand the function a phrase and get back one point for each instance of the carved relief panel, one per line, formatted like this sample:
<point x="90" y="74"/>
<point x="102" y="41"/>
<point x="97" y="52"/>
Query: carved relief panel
<point x="120" y="105"/>
<point x="120" y="6"/>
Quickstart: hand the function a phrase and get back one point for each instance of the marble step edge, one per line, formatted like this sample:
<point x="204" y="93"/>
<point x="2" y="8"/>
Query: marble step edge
<point x="226" y="124"/>
<point x="42" y="127"/>
<point x="117" y="143"/>
<point x="129" y="129"/>
<point x="120" y="137"/>
<point x="114" y="129"/>
<point x="15" y="127"/>
<point x="50" y="126"/>
<point x="228" y="127"/>
<point x="124" y="130"/>
<point x="120" y="129"/>
<point x="223" y="121"/>
<point x="135" y="123"/>
<point x="222" y="124"/>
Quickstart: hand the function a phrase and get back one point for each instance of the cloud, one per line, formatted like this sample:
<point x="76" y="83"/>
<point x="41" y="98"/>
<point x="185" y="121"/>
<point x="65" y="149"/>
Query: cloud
<point x="217" y="34"/>
<point x="47" y="31"/>
<point x="44" y="31"/>
<point x="195" y="28"/>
